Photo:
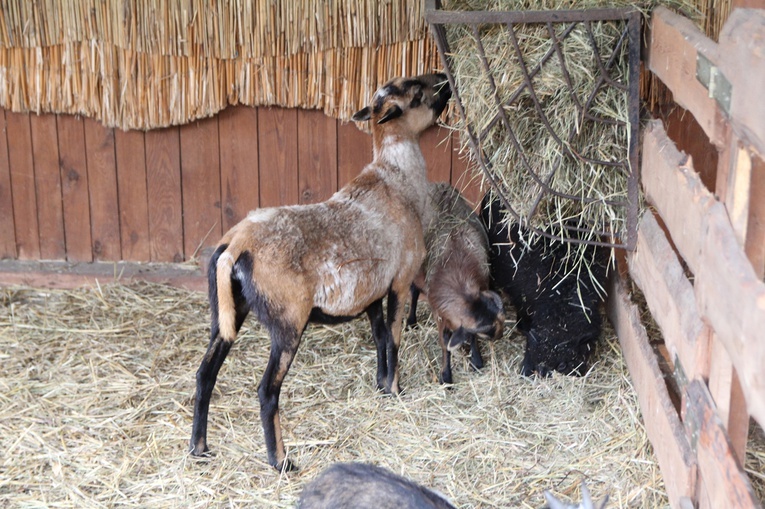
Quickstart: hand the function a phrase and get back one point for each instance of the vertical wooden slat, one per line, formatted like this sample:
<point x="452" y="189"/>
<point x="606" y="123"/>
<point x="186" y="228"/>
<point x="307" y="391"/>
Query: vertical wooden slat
<point x="131" y="185"/>
<point x="277" y="139"/>
<point x="21" y="162"/>
<point x="102" y="183"/>
<point x="354" y="151"/>
<point x="163" y="182"/>
<point x="73" y="170"/>
<point x="239" y="170"/>
<point x="200" y="182"/>
<point x="7" y="230"/>
<point x="465" y="175"/>
<point x="755" y="238"/>
<point x="436" y="148"/>
<point x="317" y="156"/>
<point x="50" y="212"/>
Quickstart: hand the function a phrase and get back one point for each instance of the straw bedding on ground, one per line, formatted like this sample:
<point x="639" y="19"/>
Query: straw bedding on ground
<point x="96" y="389"/>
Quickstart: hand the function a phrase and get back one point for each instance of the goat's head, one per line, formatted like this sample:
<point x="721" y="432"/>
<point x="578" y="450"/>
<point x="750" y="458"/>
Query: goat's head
<point x="410" y="104"/>
<point x="484" y="317"/>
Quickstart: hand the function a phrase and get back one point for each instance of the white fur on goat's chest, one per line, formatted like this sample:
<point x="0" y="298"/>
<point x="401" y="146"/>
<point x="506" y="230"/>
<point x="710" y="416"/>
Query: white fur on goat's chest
<point x="381" y="240"/>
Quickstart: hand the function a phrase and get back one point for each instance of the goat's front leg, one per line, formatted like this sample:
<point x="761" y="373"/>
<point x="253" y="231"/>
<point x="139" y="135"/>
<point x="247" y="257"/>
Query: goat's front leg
<point x="411" y="320"/>
<point x="476" y="361"/>
<point x="381" y="337"/>
<point x="446" y="356"/>
<point x="395" y="324"/>
<point x="284" y="344"/>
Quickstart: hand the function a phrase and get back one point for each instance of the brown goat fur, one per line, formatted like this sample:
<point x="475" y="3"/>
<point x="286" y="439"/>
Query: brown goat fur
<point x="455" y="278"/>
<point x="327" y="262"/>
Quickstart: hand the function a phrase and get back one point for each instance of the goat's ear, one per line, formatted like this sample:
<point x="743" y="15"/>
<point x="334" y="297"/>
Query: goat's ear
<point x="362" y="115"/>
<point x="394" y="111"/>
<point x="456" y="339"/>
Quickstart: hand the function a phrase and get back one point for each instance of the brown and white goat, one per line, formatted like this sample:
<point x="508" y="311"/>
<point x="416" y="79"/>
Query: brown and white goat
<point x="455" y="278"/>
<point x="328" y="262"/>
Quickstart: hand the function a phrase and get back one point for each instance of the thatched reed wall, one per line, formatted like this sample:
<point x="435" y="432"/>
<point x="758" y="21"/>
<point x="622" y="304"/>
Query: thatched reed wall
<point x="153" y="63"/>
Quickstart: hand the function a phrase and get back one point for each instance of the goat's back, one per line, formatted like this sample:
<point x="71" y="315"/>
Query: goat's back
<point x="364" y="486"/>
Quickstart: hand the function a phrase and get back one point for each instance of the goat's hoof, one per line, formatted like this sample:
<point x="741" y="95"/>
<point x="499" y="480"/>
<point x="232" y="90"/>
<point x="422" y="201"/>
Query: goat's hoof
<point x="412" y="325"/>
<point x="200" y="450"/>
<point x="286" y="466"/>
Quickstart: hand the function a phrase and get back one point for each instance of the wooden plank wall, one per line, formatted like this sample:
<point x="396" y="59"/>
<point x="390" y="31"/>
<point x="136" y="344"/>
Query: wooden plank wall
<point x="72" y="189"/>
<point x="699" y="263"/>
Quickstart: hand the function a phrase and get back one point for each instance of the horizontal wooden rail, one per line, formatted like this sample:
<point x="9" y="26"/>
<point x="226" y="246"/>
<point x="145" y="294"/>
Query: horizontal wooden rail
<point x="715" y="82"/>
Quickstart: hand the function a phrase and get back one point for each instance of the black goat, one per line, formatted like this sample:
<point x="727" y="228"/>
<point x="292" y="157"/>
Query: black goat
<point x="558" y="307"/>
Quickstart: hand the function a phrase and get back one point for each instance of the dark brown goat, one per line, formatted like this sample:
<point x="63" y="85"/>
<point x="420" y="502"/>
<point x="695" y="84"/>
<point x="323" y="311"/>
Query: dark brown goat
<point x="364" y="486"/>
<point x="328" y="262"/>
<point x="455" y="278"/>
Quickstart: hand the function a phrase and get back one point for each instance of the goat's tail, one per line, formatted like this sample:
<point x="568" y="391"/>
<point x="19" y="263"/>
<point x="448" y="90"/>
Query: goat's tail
<point x="221" y="292"/>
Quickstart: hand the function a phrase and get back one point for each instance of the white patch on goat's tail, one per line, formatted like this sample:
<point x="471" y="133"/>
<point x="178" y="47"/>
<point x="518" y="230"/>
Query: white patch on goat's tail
<point x="226" y="306"/>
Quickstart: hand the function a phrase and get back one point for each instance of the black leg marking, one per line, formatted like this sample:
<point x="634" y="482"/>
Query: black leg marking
<point x="411" y="321"/>
<point x="381" y="336"/>
<point x="207" y="374"/>
<point x="285" y="340"/>
<point x="476" y="361"/>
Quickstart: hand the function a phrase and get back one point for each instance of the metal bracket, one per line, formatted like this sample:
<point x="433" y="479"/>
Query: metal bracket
<point x="714" y="81"/>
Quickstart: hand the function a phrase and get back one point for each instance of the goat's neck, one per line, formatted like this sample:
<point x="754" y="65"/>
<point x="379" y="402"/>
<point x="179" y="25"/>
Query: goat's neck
<point x="399" y="151"/>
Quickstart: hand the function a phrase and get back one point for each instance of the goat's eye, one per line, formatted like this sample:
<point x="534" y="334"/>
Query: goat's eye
<point x="562" y="367"/>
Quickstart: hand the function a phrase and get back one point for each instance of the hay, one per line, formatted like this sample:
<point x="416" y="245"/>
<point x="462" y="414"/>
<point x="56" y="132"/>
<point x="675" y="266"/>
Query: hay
<point x="96" y="403"/>
<point x="97" y="385"/>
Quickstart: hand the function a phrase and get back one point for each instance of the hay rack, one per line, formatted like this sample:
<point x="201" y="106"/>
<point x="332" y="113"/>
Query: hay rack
<point x="559" y="24"/>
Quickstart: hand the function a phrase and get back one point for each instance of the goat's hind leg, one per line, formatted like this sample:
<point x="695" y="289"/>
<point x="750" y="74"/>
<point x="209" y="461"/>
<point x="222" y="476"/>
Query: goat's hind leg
<point x="285" y="340"/>
<point x="381" y="336"/>
<point x="217" y="350"/>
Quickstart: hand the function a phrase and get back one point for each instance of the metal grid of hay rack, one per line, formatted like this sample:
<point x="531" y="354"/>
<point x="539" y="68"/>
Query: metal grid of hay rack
<point x="559" y="25"/>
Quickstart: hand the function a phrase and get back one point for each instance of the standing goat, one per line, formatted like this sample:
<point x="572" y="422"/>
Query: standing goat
<point x="328" y="262"/>
<point x="558" y="308"/>
<point x="455" y="278"/>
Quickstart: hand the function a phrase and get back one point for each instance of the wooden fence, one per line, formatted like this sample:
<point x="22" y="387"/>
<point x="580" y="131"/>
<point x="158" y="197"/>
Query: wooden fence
<point x="700" y="262"/>
<point x="71" y="189"/>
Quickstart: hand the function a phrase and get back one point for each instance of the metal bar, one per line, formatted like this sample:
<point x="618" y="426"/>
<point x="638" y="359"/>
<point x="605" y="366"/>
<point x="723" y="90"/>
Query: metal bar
<point x="633" y="187"/>
<point x="435" y="16"/>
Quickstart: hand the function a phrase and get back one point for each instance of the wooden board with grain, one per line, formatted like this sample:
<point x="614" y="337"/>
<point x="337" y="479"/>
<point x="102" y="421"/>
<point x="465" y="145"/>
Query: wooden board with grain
<point x="200" y="181"/>
<point x="661" y="421"/>
<point x="239" y="168"/>
<point x="354" y="152"/>
<point x="317" y="156"/>
<point x="75" y="196"/>
<point x="7" y="225"/>
<point x="23" y="193"/>
<point x="163" y="182"/>
<point x="278" y="156"/>
<point x="50" y="214"/>
<point x="102" y="183"/>
<point x="130" y="149"/>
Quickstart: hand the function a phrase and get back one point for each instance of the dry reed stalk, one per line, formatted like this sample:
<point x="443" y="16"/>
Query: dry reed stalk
<point x="213" y="46"/>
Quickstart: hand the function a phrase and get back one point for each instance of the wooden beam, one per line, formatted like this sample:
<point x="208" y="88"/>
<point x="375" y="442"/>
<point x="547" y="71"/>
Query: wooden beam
<point x="732" y="299"/>
<point x="657" y="271"/>
<point x="730" y="296"/>
<point x="674" y="188"/>
<point x="660" y="418"/>
<point x="725" y="482"/>
<point x="67" y="275"/>
<point x="741" y="42"/>
<point x="675" y="43"/>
